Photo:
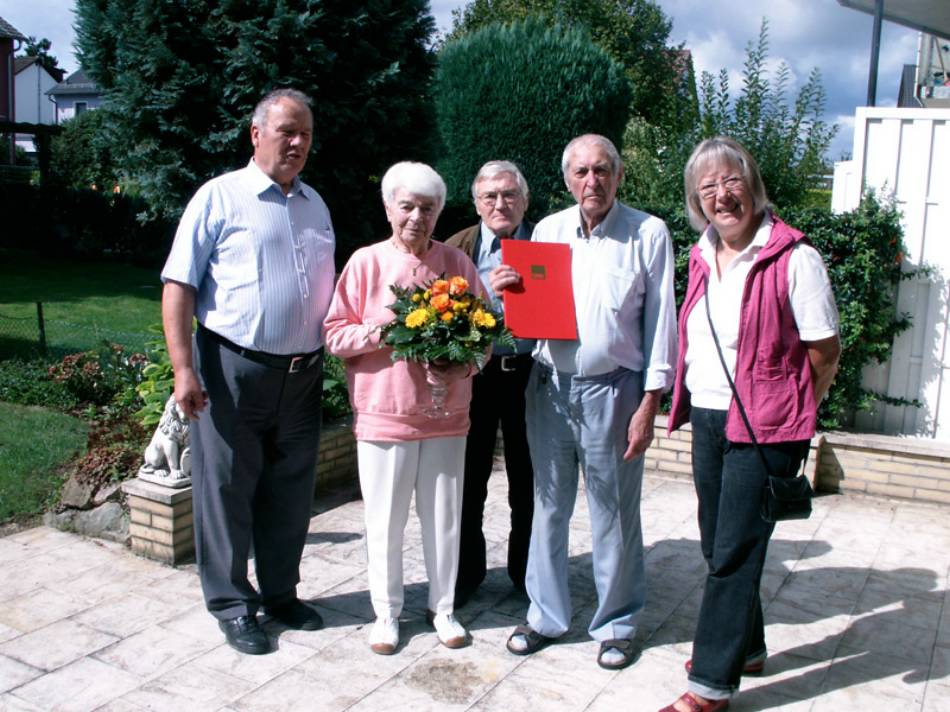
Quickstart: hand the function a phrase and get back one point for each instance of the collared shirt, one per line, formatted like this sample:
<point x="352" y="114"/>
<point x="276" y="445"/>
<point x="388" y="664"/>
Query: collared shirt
<point x="261" y="261"/>
<point x="809" y="293"/>
<point x="623" y="296"/>
<point x="486" y="260"/>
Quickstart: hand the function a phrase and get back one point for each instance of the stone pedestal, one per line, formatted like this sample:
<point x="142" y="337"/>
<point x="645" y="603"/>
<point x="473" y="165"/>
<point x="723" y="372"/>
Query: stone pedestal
<point x="161" y="521"/>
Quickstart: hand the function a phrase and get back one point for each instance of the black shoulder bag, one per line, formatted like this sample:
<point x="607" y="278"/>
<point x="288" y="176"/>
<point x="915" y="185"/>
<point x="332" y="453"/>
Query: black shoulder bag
<point x="782" y="497"/>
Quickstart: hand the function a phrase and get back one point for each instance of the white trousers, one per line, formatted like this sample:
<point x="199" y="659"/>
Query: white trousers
<point x="389" y="474"/>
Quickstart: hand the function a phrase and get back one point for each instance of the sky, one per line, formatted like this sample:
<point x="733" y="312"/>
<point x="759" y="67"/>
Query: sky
<point x="803" y="33"/>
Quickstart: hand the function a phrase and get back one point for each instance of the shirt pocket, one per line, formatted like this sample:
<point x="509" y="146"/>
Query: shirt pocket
<point x="617" y="286"/>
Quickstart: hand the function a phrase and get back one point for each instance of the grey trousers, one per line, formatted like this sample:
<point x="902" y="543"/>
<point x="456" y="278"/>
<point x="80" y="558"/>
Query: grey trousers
<point x="583" y="421"/>
<point x="254" y="451"/>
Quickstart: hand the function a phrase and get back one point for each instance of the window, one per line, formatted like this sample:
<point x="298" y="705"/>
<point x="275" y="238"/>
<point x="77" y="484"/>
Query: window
<point x="81" y="106"/>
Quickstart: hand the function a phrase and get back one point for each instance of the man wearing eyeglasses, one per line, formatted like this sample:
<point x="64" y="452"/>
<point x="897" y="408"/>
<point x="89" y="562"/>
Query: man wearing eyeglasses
<point x="500" y="193"/>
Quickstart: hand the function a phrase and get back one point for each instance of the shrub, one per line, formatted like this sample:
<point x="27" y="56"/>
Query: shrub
<point x="336" y="400"/>
<point x="521" y="92"/>
<point x="29" y="383"/>
<point x="106" y="376"/>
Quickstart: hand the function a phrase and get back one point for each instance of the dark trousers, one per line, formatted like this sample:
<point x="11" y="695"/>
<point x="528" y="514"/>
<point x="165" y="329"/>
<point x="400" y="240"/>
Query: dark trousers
<point x="254" y="451"/>
<point x="497" y="396"/>
<point x="729" y="479"/>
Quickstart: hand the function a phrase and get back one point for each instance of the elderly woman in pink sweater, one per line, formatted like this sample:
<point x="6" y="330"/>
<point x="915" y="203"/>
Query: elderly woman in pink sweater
<point x="401" y="449"/>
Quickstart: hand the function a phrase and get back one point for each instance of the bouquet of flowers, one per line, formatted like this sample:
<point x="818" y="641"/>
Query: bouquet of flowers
<point x="441" y="321"/>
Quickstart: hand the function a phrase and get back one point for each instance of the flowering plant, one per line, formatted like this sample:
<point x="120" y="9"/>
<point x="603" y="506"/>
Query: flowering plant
<point x="441" y="320"/>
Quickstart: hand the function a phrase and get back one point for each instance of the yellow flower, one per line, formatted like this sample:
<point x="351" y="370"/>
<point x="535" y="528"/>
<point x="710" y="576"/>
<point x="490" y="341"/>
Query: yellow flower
<point x="416" y="298"/>
<point x="417" y="318"/>
<point x="482" y="318"/>
<point x="447" y="317"/>
<point x="459" y="306"/>
<point x="425" y="295"/>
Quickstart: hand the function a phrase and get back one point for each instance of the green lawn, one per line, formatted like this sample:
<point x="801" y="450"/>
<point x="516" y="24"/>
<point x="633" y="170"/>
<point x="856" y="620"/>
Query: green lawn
<point x="33" y="443"/>
<point x="84" y="303"/>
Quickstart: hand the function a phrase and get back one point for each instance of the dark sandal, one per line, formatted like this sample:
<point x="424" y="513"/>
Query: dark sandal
<point x="623" y="646"/>
<point x="534" y="641"/>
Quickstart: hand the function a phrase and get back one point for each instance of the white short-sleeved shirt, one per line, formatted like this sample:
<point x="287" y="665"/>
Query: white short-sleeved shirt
<point x="623" y="296"/>
<point x="261" y="261"/>
<point x="810" y="295"/>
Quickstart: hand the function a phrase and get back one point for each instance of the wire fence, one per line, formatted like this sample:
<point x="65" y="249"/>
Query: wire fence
<point x="32" y="336"/>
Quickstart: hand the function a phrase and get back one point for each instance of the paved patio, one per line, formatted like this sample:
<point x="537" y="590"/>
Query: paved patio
<point x="858" y="617"/>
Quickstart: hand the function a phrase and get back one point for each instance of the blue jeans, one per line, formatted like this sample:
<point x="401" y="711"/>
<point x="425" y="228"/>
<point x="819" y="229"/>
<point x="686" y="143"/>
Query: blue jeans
<point x="577" y="420"/>
<point x="729" y="479"/>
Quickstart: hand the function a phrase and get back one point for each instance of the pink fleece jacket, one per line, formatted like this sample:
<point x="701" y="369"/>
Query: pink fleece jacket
<point x="389" y="397"/>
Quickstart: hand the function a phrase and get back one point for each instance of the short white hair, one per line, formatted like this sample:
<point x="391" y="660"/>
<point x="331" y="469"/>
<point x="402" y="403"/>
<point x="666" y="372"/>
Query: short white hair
<point x="597" y="140"/>
<point x="263" y="107"/>
<point x="416" y="178"/>
<point x="494" y="168"/>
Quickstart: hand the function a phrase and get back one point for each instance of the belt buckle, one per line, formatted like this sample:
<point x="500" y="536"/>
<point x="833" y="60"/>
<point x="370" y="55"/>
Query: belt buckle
<point x="505" y="360"/>
<point x="296" y="364"/>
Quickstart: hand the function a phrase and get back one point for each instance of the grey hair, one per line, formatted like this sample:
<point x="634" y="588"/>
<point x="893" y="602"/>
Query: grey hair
<point x="417" y="178"/>
<point x="597" y="140"/>
<point x="494" y="168"/>
<point x="724" y="151"/>
<point x="259" y="118"/>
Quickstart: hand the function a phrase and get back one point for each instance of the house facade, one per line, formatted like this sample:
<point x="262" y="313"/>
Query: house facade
<point x="78" y="93"/>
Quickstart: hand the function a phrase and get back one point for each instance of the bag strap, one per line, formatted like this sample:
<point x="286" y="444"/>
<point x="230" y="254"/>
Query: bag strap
<point x="732" y="385"/>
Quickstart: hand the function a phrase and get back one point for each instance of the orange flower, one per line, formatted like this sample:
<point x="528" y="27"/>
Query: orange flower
<point x="439" y="286"/>
<point x="440" y="302"/>
<point x="447" y="317"/>
<point x="457" y="286"/>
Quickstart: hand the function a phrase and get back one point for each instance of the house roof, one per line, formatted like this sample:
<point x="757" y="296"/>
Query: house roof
<point x="930" y="16"/>
<point x="8" y="31"/>
<point x="21" y="63"/>
<point x="76" y="83"/>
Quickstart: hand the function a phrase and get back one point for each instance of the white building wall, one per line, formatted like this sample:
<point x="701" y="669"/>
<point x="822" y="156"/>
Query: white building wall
<point x="905" y="153"/>
<point x="33" y="106"/>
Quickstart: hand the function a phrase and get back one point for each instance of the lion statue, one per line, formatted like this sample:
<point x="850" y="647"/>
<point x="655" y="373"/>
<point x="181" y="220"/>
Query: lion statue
<point x="168" y="457"/>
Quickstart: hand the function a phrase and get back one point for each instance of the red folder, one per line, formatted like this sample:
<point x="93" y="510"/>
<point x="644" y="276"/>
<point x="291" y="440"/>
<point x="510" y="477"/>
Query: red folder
<point x="541" y="306"/>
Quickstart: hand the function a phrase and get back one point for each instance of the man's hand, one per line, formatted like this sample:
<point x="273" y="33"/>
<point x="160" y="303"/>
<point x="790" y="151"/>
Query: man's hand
<point x="178" y="311"/>
<point x="501" y="277"/>
<point x="640" y="429"/>
<point x="189" y="394"/>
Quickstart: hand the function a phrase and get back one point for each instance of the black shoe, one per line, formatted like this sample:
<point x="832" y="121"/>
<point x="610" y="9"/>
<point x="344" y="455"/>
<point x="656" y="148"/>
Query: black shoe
<point x="295" y="614"/>
<point x="245" y="635"/>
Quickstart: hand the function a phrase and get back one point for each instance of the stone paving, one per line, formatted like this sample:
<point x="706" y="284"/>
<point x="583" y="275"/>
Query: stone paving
<point x="857" y="613"/>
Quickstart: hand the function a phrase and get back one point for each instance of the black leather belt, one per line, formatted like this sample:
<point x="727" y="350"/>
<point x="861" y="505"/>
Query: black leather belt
<point x="290" y="364"/>
<point x="509" y="362"/>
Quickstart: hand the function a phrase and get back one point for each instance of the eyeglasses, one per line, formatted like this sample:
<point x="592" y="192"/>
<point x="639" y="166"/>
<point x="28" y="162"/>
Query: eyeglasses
<point x="507" y="197"/>
<point x="731" y="184"/>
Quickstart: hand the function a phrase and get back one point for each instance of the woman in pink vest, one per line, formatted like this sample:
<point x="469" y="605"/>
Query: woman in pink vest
<point x="771" y="306"/>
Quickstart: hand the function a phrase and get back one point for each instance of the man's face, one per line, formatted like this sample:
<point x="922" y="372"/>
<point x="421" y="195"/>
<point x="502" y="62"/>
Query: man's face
<point x="591" y="181"/>
<point x="500" y="203"/>
<point x="281" y="145"/>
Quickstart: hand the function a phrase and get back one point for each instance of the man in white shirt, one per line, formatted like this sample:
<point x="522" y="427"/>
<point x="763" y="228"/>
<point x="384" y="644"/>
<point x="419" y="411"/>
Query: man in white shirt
<point x="252" y="260"/>
<point x="591" y="402"/>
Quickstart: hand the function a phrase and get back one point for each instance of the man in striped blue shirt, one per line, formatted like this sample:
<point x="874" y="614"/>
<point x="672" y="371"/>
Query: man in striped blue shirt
<point x="252" y="260"/>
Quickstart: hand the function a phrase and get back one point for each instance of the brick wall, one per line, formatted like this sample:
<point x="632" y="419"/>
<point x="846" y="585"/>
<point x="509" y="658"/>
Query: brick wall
<point x="839" y="462"/>
<point x="883" y="465"/>
<point x="336" y="464"/>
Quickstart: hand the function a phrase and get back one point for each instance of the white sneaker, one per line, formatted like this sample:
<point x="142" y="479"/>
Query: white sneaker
<point x="450" y="631"/>
<point x="384" y="636"/>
